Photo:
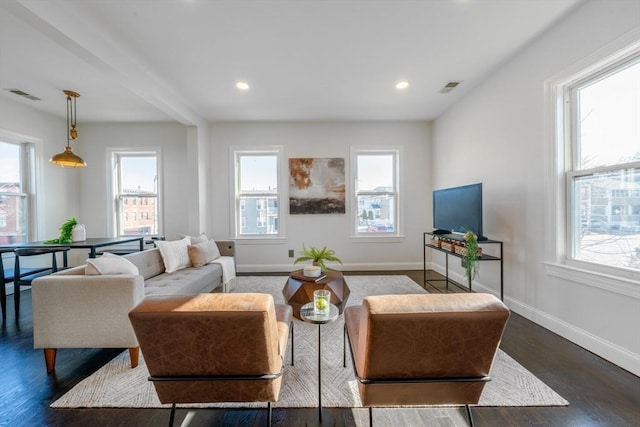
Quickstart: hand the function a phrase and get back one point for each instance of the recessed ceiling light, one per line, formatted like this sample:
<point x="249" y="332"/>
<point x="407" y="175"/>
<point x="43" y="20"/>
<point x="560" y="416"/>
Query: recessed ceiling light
<point x="402" y="85"/>
<point x="242" y="85"/>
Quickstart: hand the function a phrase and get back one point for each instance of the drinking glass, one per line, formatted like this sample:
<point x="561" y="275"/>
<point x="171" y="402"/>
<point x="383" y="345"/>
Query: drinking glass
<point x="321" y="299"/>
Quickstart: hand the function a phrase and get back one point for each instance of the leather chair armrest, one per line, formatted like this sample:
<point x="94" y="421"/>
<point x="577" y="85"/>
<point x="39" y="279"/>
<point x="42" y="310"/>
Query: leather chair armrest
<point x="284" y="312"/>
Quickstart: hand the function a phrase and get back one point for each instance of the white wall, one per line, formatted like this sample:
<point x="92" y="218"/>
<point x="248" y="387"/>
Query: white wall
<point x="327" y="140"/>
<point x="172" y="140"/>
<point x="56" y="187"/>
<point x="497" y="136"/>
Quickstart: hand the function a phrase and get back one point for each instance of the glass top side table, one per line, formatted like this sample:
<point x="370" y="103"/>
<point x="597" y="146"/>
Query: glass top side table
<point x="308" y="314"/>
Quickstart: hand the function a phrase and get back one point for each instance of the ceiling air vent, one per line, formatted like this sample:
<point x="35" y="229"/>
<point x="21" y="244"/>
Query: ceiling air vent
<point x="450" y="86"/>
<point x="24" y="94"/>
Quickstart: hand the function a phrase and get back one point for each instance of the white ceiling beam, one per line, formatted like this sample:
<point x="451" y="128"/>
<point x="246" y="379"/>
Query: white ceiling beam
<point x="61" y="23"/>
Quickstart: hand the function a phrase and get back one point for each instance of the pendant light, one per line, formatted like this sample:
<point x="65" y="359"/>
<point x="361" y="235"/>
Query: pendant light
<point x="68" y="159"/>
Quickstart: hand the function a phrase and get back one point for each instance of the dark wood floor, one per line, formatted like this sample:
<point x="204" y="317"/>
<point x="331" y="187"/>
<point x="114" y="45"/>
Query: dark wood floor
<point x="600" y="394"/>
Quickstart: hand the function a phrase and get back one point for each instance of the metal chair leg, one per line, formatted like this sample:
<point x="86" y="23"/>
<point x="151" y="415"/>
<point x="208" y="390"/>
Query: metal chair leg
<point x="370" y="416"/>
<point x="292" y="345"/>
<point x="344" y="346"/>
<point x="469" y="415"/>
<point x="269" y="420"/>
<point x="173" y="413"/>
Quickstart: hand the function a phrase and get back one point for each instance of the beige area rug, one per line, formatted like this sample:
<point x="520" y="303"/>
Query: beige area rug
<point x="117" y="385"/>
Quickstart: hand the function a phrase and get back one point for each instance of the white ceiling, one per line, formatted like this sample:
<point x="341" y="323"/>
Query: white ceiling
<point x="142" y="60"/>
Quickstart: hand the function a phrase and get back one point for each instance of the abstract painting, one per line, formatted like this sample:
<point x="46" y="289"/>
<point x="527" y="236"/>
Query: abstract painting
<point x="316" y="186"/>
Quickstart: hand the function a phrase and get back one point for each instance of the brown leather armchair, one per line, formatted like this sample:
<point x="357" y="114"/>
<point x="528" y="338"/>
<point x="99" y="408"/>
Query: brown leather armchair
<point x="214" y="347"/>
<point x="424" y="349"/>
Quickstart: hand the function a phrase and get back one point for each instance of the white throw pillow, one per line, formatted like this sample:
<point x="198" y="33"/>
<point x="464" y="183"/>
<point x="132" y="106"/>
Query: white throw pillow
<point x="203" y="253"/>
<point x="110" y="264"/>
<point x="174" y="254"/>
<point x="195" y="239"/>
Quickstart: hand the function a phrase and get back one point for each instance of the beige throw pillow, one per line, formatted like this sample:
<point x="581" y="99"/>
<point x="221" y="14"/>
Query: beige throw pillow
<point x="174" y="254"/>
<point x="203" y="253"/>
<point x="109" y="264"/>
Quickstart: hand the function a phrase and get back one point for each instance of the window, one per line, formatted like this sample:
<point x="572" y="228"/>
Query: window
<point x="135" y="189"/>
<point x="257" y="192"/>
<point x="603" y="177"/>
<point x="375" y="172"/>
<point x="16" y="190"/>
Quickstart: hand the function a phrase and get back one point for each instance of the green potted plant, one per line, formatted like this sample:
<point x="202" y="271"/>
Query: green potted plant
<point x="318" y="256"/>
<point x="471" y="255"/>
<point x="66" y="231"/>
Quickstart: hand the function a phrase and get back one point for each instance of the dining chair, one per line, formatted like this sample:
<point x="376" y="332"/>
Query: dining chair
<point x="7" y="276"/>
<point x="26" y="276"/>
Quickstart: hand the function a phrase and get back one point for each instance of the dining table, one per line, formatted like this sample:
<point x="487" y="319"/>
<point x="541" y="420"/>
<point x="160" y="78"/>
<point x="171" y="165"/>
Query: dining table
<point x="90" y="243"/>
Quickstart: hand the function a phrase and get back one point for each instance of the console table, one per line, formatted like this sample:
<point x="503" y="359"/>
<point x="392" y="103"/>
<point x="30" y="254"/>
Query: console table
<point x="426" y="244"/>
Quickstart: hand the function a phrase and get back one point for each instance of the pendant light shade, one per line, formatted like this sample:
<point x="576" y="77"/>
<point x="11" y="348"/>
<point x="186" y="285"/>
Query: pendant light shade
<point x="67" y="158"/>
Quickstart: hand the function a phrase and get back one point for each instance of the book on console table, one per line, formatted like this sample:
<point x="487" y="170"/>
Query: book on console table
<point x="302" y="277"/>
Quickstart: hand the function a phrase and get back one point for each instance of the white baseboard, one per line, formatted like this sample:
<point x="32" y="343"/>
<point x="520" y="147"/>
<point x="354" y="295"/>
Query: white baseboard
<point x="271" y="268"/>
<point x="603" y="348"/>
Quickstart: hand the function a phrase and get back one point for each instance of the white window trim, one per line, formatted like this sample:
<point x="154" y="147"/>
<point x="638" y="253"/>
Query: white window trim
<point x="32" y="182"/>
<point x="234" y="202"/>
<point x="557" y="159"/>
<point x="111" y="153"/>
<point x="398" y="234"/>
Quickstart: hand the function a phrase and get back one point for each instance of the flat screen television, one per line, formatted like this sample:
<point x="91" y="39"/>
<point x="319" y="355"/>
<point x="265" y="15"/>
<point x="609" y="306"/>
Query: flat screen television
<point x="458" y="209"/>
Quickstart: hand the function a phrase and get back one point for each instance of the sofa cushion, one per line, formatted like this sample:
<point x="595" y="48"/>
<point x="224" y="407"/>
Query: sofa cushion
<point x="185" y="281"/>
<point x="149" y="262"/>
<point x="110" y="264"/>
<point x="203" y="253"/>
<point x="194" y="240"/>
<point x="174" y="254"/>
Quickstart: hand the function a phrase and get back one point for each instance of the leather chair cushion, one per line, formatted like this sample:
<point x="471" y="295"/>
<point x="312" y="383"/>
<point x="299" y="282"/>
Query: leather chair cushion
<point x="213" y="335"/>
<point x="424" y="336"/>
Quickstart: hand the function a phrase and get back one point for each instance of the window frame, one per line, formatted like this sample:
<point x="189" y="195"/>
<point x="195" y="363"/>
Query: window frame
<point x="558" y="154"/>
<point x="354" y="211"/>
<point x="114" y="199"/>
<point x="237" y="208"/>
<point x="575" y="170"/>
<point x="28" y="177"/>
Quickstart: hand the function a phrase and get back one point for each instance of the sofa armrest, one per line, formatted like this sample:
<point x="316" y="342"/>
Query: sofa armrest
<point x="227" y="247"/>
<point x="78" y="311"/>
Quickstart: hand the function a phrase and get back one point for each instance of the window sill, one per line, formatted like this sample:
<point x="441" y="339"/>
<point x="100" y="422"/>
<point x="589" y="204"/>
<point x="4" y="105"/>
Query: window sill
<point x="260" y="240"/>
<point x="377" y="239"/>
<point x="619" y="285"/>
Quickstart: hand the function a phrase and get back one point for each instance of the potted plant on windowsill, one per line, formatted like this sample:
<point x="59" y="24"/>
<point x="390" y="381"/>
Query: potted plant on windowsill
<point x="318" y="256"/>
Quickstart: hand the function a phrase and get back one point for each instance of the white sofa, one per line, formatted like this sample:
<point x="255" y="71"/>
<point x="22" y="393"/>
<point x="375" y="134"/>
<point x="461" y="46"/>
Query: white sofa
<point x="75" y="310"/>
